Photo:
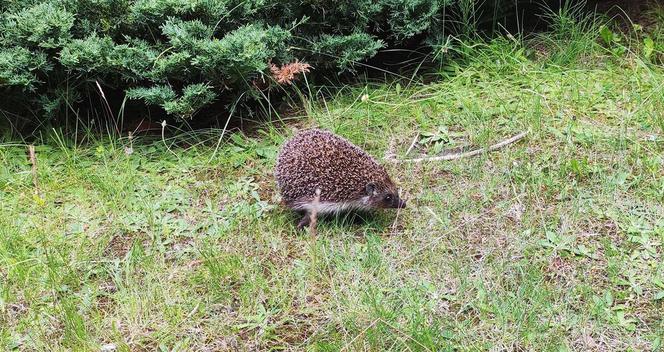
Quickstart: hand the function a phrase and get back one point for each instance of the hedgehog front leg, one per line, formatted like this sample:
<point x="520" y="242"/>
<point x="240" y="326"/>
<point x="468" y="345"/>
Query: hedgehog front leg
<point x="305" y="221"/>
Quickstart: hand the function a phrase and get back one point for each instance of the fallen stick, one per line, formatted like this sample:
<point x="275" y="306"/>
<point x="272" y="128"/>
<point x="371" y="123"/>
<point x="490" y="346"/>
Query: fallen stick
<point x="412" y="145"/>
<point x="33" y="162"/>
<point x="464" y="154"/>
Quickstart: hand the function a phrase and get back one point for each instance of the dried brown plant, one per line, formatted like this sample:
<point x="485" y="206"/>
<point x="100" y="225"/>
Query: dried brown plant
<point x="286" y="73"/>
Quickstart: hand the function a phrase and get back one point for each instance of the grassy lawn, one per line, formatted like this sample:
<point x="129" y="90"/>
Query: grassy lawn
<point x="555" y="242"/>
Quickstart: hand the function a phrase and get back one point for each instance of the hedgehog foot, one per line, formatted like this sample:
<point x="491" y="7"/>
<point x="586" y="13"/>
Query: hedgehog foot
<point x="304" y="222"/>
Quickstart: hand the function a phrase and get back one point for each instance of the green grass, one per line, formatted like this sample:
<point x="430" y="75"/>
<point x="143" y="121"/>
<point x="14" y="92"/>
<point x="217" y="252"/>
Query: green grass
<point x="552" y="243"/>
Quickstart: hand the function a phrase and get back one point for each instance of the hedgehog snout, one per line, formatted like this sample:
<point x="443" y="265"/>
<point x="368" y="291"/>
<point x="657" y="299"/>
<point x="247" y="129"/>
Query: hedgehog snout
<point x="394" y="201"/>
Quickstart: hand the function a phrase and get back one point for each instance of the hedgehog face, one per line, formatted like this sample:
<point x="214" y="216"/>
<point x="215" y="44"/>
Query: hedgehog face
<point x="383" y="198"/>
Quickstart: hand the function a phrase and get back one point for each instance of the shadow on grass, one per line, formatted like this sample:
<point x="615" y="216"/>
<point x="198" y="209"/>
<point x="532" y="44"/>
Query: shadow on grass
<point x="379" y="220"/>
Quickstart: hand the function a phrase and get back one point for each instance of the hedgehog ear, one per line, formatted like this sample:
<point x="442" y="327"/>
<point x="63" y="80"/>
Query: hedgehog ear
<point x="371" y="189"/>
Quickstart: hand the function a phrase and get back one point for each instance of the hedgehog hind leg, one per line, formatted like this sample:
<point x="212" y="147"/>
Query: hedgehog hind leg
<point x="305" y="221"/>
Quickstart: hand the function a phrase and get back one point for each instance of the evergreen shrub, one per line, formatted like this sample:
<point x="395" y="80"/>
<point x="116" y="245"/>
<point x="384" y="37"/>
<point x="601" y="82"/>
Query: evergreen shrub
<point x="59" y="57"/>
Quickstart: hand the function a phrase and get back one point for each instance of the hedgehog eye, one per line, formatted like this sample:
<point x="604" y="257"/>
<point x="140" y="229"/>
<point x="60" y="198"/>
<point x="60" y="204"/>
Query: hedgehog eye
<point x="388" y="197"/>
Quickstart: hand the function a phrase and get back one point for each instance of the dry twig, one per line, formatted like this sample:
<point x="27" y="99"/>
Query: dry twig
<point x="33" y="162"/>
<point x="464" y="154"/>
<point x="412" y="144"/>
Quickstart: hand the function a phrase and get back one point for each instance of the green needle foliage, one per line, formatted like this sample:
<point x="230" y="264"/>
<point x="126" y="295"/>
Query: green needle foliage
<point x="183" y="55"/>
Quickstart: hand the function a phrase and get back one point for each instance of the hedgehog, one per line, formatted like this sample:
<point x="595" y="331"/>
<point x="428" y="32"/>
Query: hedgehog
<point x="347" y="177"/>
